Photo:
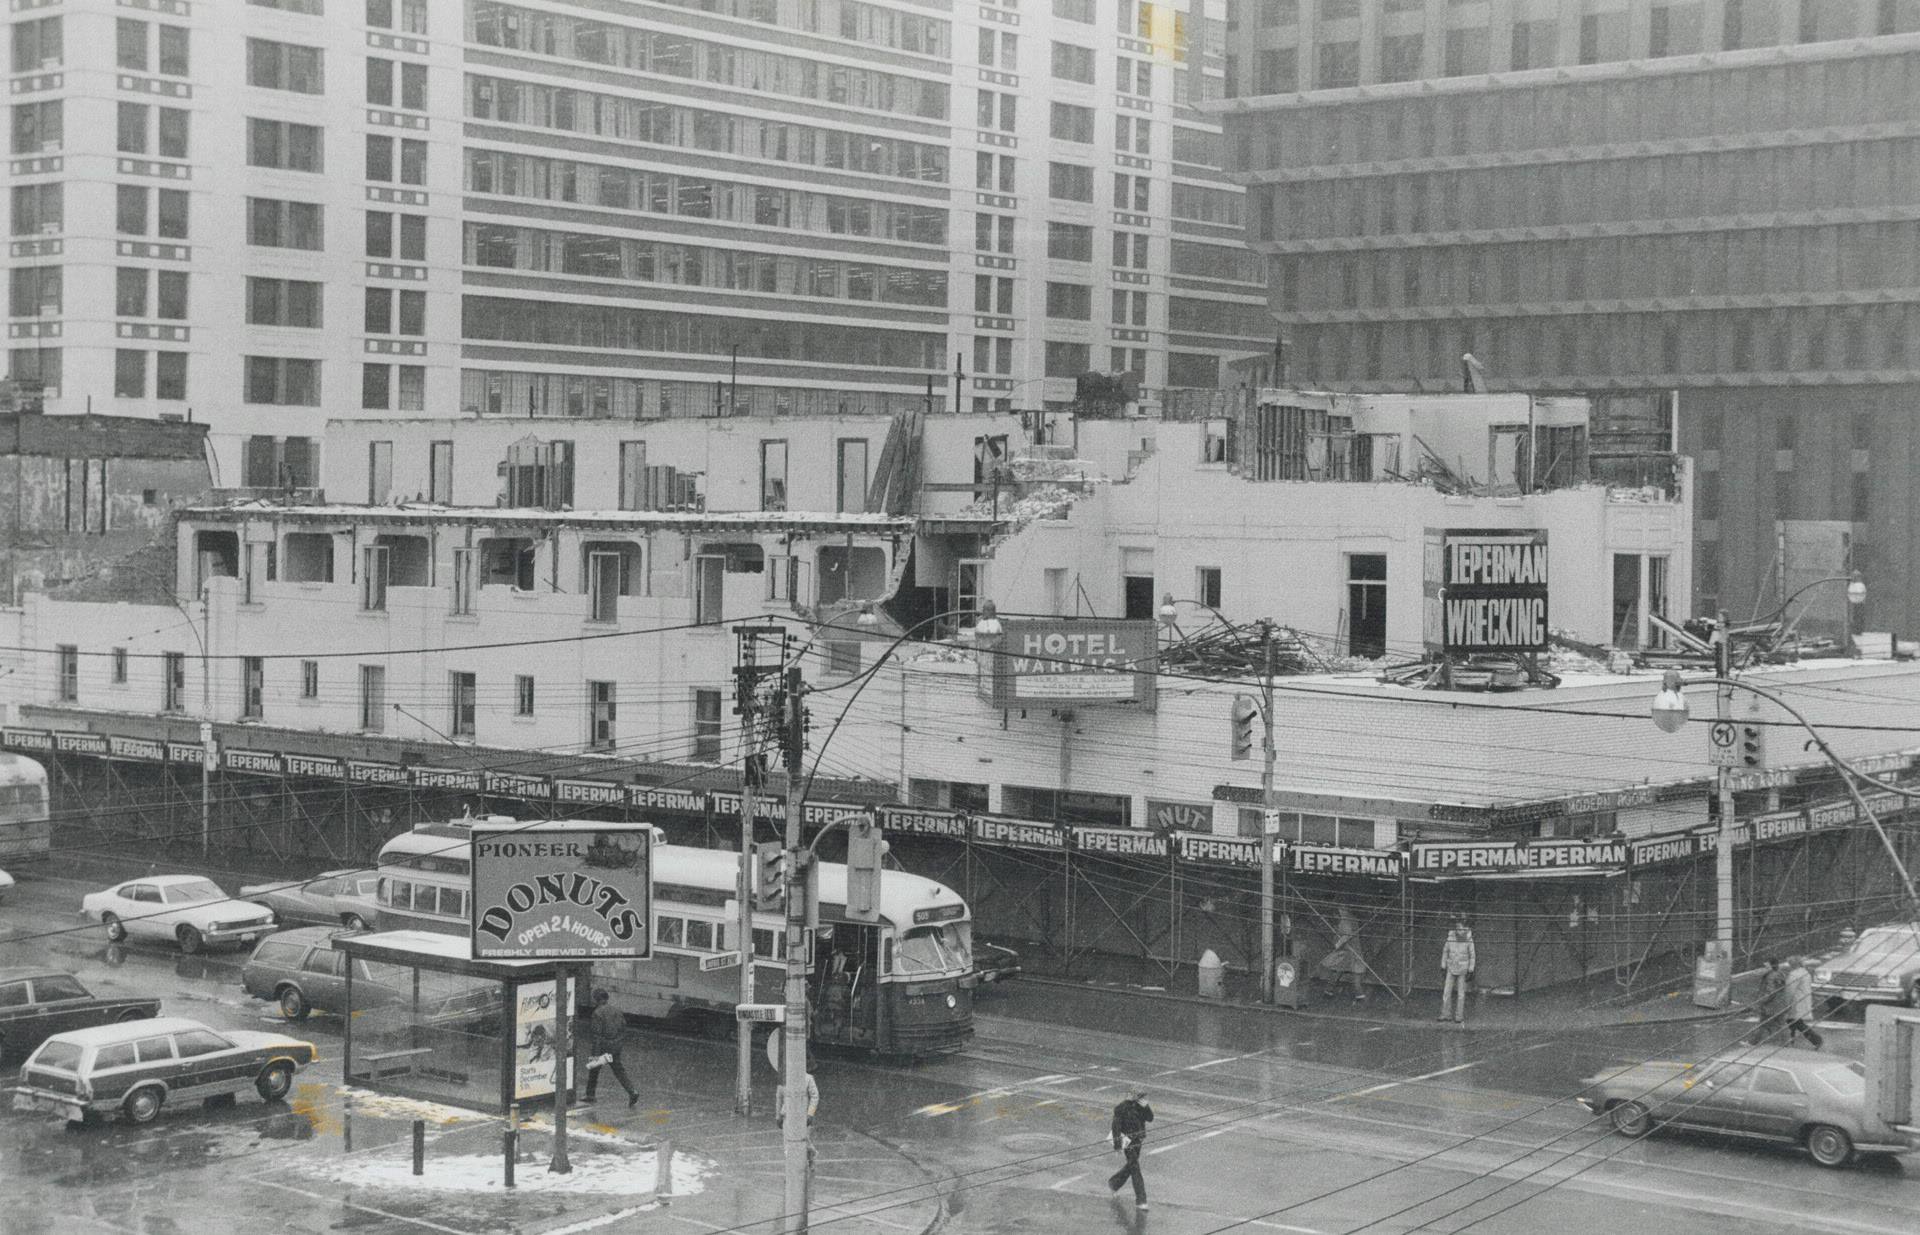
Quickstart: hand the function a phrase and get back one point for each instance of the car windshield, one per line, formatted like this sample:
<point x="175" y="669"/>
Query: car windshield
<point x="56" y="1055"/>
<point x="1849" y="1081"/>
<point x="935" y="949"/>
<point x="193" y="893"/>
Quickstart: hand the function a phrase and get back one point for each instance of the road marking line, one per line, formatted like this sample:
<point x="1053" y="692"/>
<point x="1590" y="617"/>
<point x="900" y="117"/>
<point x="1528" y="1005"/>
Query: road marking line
<point x="1067" y="1182"/>
<point x="1539" y="1046"/>
<point x="1377" y="1029"/>
<point x="603" y="1220"/>
<point x="1204" y="1136"/>
<point x="1281" y="1226"/>
<point x="316" y="1196"/>
<point x="1409" y="1080"/>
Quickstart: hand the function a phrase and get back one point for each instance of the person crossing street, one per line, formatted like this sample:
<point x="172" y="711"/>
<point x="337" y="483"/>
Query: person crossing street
<point x="1457" y="962"/>
<point x="1800" y="999"/>
<point x="1130" y="1120"/>
<point x="607" y="1038"/>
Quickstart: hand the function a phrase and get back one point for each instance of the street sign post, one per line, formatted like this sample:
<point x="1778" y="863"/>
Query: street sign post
<point x="719" y="960"/>
<point x="1723" y="746"/>
<point x="765" y="1013"/>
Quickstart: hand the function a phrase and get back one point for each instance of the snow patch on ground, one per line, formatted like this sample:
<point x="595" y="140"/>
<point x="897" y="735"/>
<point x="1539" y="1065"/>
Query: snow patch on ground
<point x="602" y="1165"/>
<point x="391" y="1106"/>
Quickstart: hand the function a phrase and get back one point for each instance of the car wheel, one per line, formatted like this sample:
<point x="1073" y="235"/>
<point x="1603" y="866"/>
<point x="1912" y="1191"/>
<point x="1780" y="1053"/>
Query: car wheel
<point x="191" y="940"/>
<point x="1913" y="994"/>
<point x="116" y="929"/>
<point x="293" y="1003"/>
<point x="1631" y="1119"/>
<point x="131" y="1014"/>
<point x="142" y="1106"/>
<point x="276" y="1082"/>
<point x="1830" y="1146"/>
<point x="354" y="922"/>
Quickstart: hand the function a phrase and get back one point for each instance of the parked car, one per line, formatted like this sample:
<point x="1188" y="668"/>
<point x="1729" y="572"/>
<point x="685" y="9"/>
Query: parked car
<point x="1881" y="966"/>
<point x="993" y="963"/>
<point x="35" y="1004"/>
<point x="137" y="1067"/>
<point x="332" y="898"/>
<point x="301" y="971"/>
<point x="190" y="909"/>
<point x="1767" y="1093"/>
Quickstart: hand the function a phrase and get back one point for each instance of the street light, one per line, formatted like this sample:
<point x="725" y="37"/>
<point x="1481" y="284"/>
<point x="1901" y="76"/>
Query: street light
<point x="799" y="1169"/>
<point x="1671" y="713"/>
<point x="1856" y="596"/>
<point x="1269" y="815"/>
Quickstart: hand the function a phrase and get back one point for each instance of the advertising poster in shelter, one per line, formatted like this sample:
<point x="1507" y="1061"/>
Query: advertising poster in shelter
<point x="534" y="1059"/>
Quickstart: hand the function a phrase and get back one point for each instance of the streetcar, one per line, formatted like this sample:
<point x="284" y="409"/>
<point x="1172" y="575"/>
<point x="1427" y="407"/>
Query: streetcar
<point x="25" y="831"/>
<point x="902" y="986"/>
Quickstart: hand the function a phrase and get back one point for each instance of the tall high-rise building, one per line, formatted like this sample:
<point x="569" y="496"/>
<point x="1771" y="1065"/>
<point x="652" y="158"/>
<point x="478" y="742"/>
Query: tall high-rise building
<point x="1716" y="196"/>
<point x="266" y="214"/>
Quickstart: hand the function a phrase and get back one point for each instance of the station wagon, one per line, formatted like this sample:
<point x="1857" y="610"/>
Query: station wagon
<point x="137" y="1067"/>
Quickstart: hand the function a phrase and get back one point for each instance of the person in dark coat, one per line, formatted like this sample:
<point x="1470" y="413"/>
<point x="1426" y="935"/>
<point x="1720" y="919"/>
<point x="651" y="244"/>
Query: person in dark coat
<point x="1130" y="1120"/>
<point x="1772" y="1006"/>
<point x="607" y="1038"/>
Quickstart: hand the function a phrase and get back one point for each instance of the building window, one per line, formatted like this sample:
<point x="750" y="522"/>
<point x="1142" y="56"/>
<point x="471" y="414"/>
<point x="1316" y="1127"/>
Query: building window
<point x="1068" y="359"/>
<point x="850" y="476"/>
<point x="461" y="704"/>
<point x="131" y="129"/>
<point x="309" y="679"/>
<point x="1639" y="591"/>
<point x="1367" y="604"/>
<point x="173" y="681"/>
<point x="119" y="666"/>
<point x="440" y="472"/>
<point x="601" y="715"/>
<point x="37" y="44"/>
<point x="285" y="66"/>
<point x="706" y="726"/>
<point x="633" y="476"/>
<point x="170" y="375"/>
<point x="373" y="698"/>
<point x="463" y="581"/>
<point x="843" y="657"/>
<point x="773" y="475"/>
<point x="284" y="302"/>
<point x="1069" y="182"/>
<point x="1209" y="586"/>
<point x="374" y="564"/>
<point x="284" y="145"/>
<point x="67" y="661"/>
<point x="129" y="374"/>
<point x="1073" y="63"/>
<point x="281" y="380"/>
<point x="276" y="224"/>
<point x="253" y="687"/>
<point x="1073" y="301"/>
<point x="523" y="695"/>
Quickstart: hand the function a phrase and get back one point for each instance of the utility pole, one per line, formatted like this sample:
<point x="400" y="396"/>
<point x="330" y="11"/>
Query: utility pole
<point x="747" y="675"/>
<point x="209" y="752"/>
<point x="1723" y="778"/>
<point x="1269" y="816"/>
<point x="796" y="1137"/>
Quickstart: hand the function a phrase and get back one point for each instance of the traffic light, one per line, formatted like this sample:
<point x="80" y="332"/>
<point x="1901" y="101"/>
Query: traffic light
<point x="794" y="721"/>
<point x="866" y="851"/>
<point x="1753" y="745"/>
<point x="1246" y="717"/>
<point x="770" y="884"/>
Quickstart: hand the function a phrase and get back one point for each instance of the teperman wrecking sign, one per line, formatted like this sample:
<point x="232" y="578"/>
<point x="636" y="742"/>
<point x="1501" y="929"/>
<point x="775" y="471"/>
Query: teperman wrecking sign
<point x="1486" y="590"/>
<point x="567" y="890"/>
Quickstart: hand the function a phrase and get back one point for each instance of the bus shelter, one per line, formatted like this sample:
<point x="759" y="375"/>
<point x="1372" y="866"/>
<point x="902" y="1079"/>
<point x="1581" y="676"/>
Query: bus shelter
<point x="426" y="1020"/>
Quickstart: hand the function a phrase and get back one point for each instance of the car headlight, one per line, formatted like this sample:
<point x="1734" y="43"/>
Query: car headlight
<point x="1890" y="980"/>
<point x="1823" y="975"/>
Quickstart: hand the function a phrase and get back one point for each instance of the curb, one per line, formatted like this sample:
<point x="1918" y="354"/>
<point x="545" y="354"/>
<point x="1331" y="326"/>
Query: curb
<point x="1337" y="1018"/>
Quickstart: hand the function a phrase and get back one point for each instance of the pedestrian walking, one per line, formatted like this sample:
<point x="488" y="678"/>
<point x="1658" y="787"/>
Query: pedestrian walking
<point x="1773" y="1004"/>
<point x="1130" y="1120"/>
<point x="607" y="1039"/>
<point x="780" y="1101"/>
<point x="1457" y="962"/>
<point x="1800" y="1001"/>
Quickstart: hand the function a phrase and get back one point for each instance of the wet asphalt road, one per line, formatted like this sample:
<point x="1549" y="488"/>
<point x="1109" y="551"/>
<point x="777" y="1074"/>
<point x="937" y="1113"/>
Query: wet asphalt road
<point x="1265" y="1123"/>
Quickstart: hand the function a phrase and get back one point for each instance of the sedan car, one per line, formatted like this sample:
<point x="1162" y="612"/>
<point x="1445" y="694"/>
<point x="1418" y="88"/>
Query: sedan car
<point x="137" y="1067"/>
<point x="1881" y="966"/>
<point x="189" y="909"/>
<point x="1780" y="1094"/>
<point x="302" y="972"/>
<point x="35" y="1004"/>
<point x="332" y="898"/>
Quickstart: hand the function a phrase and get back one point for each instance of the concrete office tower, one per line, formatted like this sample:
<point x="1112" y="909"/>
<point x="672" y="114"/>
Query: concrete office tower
<point x="269" y="213"/>
<point x="1717" y="197"/>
